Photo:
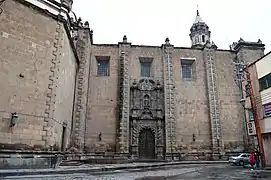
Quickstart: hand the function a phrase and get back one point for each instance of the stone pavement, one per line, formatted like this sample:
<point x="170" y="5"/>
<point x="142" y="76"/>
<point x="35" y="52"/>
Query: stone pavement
<point x="98" y="168"/>
<point x="175" y="172"/>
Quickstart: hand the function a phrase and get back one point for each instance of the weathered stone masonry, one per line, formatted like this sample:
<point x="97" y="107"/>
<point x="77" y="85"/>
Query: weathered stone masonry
<point x="214" y="108"/>
<point x="83" y="46"/>
<point x="124" y="97"/>
<point x="50" y="103"/>
<point x="169" y="98"/>
<point x="173" y="122"/>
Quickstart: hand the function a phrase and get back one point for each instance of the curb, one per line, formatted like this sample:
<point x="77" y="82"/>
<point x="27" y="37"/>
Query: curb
<point x="24" y="172"/>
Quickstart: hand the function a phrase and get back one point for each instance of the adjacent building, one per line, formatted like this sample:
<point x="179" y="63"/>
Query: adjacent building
<point x="261" y="82"/>
<point x="137" y="101"/>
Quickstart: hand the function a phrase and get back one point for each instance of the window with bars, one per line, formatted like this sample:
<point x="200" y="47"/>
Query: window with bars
<point x="265" y="82"/>
<point x="145" y="68"/>
<point x="187" y="69"/>
<point x="102" y="66"/>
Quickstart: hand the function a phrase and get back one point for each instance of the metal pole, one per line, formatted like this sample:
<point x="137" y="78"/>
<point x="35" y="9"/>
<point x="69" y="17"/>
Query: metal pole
<point x="256" y="118"/>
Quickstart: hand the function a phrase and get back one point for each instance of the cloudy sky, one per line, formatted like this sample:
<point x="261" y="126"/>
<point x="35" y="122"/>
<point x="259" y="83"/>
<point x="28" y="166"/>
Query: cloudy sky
<point x="149" y="22"/>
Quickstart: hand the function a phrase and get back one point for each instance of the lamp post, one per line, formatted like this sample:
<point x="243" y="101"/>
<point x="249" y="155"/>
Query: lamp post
<point x="244" y="76"/>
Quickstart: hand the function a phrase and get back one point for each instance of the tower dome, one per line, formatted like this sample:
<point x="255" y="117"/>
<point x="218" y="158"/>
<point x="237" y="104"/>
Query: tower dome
<point x="199" y="32"/>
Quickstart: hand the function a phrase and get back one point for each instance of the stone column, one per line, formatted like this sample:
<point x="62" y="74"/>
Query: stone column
<point x="214" y="108"/>
<point x="124" y="98"/>
<point x="170" y="118"/>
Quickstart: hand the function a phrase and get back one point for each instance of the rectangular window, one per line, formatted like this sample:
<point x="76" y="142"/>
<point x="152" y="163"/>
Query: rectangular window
<point x="145" y="67"/>
<point x="187" y="69"/>
<point x="265" y="82"/>
<point x="102" y="65"/>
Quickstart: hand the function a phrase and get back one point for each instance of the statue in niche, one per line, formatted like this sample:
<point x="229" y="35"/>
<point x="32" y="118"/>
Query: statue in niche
<point x="146" y="102"/>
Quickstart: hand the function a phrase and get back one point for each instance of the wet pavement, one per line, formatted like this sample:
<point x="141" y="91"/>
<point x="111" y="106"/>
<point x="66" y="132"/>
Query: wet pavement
<point x="180" y="172"/>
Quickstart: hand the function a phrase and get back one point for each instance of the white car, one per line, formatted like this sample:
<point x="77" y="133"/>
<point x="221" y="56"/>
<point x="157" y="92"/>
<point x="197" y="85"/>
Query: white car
<point x="240" y="160"/>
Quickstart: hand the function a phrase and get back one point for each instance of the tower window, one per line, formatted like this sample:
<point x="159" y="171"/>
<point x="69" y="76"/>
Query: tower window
<point x="102" y="65"/>
<point x="203" y="38"/>
<point x="197" y="39"/>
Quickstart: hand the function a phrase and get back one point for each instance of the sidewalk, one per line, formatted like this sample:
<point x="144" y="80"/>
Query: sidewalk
<point x="97" y="168"/>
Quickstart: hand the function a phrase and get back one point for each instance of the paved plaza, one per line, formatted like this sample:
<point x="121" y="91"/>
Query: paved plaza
<point x="178" y="172"/>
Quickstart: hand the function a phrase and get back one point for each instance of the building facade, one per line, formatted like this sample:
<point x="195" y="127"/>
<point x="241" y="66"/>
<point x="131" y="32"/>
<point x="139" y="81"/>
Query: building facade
<point x="139" y="101"/>
<point x="261" y="82"/>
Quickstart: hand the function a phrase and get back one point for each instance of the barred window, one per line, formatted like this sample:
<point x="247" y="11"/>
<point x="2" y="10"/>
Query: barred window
<point x="187" y="69"/>
<point x="145" y="69"/>
<point x="102" y="66"/>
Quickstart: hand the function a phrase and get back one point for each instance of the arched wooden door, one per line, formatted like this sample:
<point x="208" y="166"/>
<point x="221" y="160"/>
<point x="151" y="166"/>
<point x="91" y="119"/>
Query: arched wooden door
<point x="146" y="147"/>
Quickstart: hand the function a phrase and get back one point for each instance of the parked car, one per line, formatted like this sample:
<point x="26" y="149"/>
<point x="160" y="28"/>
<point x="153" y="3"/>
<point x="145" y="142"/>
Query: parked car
<point x="240" y="160"/>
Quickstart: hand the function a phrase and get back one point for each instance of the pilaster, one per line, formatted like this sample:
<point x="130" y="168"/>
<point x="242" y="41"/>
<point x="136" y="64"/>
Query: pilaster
<point x="83" y="47"/>
<point x="170" y="117"/>
<point x="214" y="108"/>
<point x="124" y="97"/>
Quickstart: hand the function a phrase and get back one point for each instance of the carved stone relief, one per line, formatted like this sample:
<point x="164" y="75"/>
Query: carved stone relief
<point x="146" y="112"/>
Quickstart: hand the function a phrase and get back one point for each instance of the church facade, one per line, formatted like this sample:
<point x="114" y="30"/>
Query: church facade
<point x="140" y="101"/>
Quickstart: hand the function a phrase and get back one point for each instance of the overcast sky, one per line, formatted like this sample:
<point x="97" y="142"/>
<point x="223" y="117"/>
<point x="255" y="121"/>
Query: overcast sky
<point x="149" y="22"/>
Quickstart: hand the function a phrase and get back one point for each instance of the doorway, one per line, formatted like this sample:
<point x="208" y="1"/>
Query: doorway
<point x="63" y="138"/>
<point x="146" y="147"/>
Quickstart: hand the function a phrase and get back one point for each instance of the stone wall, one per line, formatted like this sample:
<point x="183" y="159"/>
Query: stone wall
<point x="37" y="78"/>
<point x="192" y="109"/>
<point x="231" y="112"/>
<point x="102" y="101"/>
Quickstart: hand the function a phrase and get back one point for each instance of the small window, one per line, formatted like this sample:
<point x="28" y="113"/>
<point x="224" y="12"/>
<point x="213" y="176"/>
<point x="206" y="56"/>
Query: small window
<point x="145" y="67"/>
<point x="102" y="66"/>
<point x="187" y="69"/>
<point x="203" y="38"/>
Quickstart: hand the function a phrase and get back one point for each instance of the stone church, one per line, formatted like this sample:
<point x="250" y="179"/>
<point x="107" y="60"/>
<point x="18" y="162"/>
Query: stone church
<point x="138" y="101"/>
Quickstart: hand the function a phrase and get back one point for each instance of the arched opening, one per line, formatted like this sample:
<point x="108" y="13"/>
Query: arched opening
<point x="203" y="38"/>
<point x="146" y="147"/>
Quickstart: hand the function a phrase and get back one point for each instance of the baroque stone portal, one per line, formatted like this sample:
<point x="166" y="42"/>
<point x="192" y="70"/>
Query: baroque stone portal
<point x="147" y="124"/>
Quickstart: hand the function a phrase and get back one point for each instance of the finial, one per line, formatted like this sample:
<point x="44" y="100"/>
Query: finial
<point x="124" y="39"/>
<point x="86" y="24"/>
<point x="167" y="40"/>
<point x="197" y="10"/>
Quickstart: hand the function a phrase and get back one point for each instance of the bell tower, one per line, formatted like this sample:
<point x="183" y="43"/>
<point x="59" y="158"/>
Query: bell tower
<point x="199" y="32"/>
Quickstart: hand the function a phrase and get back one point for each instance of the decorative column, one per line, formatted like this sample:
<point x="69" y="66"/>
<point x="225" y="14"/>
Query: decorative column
<point x="170" y="118"/>
<point x="124" y="98"/>
<point x="159" y="140"/>
<point x="214" y="108"/>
